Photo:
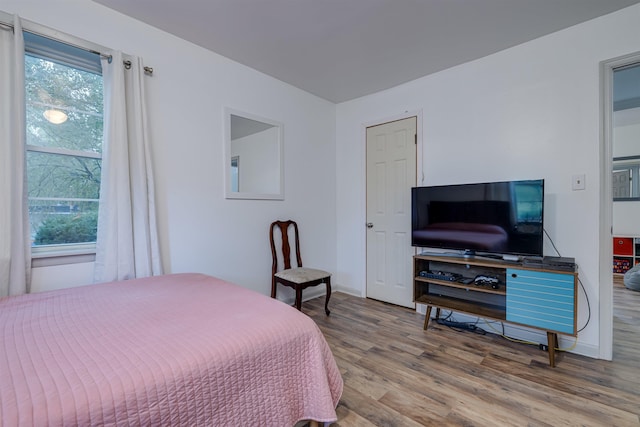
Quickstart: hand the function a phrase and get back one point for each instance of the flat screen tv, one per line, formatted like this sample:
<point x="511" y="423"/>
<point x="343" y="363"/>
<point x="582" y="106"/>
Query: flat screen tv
<point x="493" y="218"/>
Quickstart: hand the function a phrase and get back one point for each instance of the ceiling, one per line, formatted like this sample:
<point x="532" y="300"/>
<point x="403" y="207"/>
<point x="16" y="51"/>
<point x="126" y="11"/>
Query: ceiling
<point x="343" y="49"/>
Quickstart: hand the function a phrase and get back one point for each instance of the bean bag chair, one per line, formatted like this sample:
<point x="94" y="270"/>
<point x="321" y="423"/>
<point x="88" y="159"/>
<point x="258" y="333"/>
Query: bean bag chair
<point x="632" y="278"/>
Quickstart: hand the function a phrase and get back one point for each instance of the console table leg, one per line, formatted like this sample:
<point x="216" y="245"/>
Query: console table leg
<point x="427" y="317"/>
<point x="552" y="343"/>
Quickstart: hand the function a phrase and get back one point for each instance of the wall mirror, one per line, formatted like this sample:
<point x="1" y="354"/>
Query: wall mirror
<point x="253" y="161"/>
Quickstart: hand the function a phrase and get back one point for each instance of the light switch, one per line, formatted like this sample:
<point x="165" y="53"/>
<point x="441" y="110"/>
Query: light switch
<point x="577" y="182"/>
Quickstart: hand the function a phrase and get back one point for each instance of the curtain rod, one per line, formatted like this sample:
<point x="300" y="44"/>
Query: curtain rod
<point x="127" y="64"/>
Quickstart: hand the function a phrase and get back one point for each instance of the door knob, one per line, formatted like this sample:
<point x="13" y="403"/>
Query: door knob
<point x="369" y="225"/>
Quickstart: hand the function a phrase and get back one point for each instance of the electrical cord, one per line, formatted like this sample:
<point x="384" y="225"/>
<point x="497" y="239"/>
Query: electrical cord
<point x="575" y="343"/>
<point x="586" y="296"/>
<point x="551" y="241"/>
<point x="508" y="338"/>
<point x="461" y="326"/>
<point x="451" y="323"/>
<point x="472" y="327"/>
<point x="519" y="341"/>
<point x="448" y="316"/>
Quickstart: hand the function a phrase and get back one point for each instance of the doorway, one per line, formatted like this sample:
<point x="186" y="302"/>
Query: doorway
<point x="620" y="202"/>
<point x="391" y="151"/>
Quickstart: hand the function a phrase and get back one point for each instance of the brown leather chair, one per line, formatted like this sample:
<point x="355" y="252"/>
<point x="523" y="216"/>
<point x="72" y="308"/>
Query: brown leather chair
<point x="299" y="277"/>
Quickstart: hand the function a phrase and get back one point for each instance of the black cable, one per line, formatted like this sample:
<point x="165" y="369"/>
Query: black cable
<point x="447" y="317"/>
<point x="551" y="241"/>
<point x="461" y="326"/>
<point x="586" y="296"/>
<point x="588" y="305"/>
<point x="507" y="337"/>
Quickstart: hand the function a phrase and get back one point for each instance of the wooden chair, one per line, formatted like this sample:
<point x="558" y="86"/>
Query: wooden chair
<point x="297" y="278"/>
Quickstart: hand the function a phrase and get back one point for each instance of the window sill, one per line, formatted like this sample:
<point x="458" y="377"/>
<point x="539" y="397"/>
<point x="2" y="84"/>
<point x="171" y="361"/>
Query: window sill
<point x="49" y="258"/>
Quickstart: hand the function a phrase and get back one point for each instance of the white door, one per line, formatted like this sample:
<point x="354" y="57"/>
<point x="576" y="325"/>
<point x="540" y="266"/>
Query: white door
<point x="391" y="172"/>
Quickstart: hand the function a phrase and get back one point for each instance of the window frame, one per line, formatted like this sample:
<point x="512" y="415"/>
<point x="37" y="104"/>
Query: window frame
<point x="76" y="53"/>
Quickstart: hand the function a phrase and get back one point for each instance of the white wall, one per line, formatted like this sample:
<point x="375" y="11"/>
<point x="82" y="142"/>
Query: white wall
<point x="532" y="111"/>
<point x="259" y="158"/>
<point x="200" y="231"/>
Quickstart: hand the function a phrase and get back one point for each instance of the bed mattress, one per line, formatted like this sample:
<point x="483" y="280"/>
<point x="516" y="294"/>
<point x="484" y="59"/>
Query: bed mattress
<point x="183" y="349"/>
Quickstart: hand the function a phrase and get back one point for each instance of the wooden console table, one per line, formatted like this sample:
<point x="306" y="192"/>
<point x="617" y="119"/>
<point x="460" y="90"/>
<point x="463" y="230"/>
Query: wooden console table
<point x="538" y="298"/>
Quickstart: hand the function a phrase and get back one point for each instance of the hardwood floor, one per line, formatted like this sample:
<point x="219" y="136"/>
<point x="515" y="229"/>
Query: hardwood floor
<point x="396" y="374"/>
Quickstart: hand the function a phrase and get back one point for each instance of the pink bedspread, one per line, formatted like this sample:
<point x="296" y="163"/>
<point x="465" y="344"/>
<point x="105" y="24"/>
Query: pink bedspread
<point x="183" y="349"/>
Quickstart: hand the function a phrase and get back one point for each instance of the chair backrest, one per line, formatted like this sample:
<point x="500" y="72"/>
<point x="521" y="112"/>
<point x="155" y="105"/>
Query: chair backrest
<point x="285" y="250"/>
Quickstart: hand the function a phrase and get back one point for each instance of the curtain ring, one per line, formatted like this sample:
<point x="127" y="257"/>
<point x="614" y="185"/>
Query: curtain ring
<point x="127" y="64"/>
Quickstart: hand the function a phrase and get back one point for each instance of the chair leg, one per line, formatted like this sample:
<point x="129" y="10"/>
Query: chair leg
<point x="326" y="300"/>
<point x="299" y="298"/>
<point x="273" y="287"/>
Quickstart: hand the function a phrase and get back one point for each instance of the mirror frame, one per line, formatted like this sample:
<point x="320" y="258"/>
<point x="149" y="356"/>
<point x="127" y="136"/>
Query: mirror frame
<point x="229" y="194"/>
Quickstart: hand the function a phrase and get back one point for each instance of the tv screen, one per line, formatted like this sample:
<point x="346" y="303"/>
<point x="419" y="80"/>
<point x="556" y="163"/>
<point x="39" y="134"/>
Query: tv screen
<point x="503" y="218"/>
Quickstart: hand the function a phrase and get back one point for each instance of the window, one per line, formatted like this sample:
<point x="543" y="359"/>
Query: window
<point x="64" y="122"/>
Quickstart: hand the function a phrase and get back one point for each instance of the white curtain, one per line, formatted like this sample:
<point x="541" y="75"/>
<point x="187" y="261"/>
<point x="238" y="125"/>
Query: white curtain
<point x="15" y="248"/>
<point x="127" y="242"/>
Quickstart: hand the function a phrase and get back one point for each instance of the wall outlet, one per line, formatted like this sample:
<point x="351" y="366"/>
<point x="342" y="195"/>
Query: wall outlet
<point x="578" y="182"/>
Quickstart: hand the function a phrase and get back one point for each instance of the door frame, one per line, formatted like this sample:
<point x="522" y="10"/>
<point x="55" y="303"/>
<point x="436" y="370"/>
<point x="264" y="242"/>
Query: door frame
<point x="419" y="171"/>
<point x="605" y="342"/>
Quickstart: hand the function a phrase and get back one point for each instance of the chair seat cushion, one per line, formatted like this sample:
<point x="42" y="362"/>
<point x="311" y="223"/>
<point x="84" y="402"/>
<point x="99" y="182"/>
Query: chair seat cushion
<point x="302" y="275"/>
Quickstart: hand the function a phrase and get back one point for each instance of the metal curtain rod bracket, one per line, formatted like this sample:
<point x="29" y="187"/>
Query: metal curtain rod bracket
<point x="147" y="70"/>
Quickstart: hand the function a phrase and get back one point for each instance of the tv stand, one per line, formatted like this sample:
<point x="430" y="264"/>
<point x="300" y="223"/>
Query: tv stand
<point x="536" y="297"/>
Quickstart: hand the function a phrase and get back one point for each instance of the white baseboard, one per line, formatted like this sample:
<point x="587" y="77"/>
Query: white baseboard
<point x="287" y="296"/>
<point x="308" y="294"/>
<point x="350" y="291"/>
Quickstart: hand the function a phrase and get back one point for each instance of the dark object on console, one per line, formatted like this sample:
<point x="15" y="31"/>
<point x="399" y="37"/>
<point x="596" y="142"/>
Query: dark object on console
<point x="559" y="263"/>
<point x="501" y="218"/>
<point x="483" y="280"/>
<point x="441" y="275"/>
<point x="532" y="261"/>
<point x="297" y="278"/>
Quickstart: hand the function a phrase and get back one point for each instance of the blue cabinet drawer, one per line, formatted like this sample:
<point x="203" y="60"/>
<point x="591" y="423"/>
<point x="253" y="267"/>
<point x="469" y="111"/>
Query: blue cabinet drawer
<point x="543" y="300"/>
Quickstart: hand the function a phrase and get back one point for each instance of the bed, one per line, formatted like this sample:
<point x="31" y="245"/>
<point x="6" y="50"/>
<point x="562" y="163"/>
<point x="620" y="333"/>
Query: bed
<point x="182" y="349"/>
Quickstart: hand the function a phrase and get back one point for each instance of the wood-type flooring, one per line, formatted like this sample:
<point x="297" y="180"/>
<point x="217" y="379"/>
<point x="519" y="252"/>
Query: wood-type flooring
<point x="396" y="374"/>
